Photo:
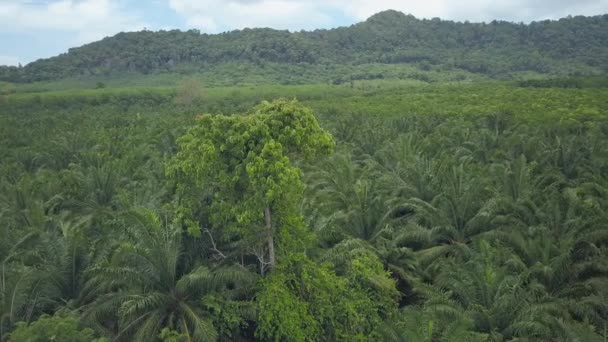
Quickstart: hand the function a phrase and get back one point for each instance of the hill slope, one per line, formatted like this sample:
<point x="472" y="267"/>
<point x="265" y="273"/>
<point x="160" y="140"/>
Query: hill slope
<point x="569" y="45"/>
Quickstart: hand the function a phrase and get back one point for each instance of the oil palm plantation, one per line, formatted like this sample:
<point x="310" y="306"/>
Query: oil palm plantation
<point x="152" y="284"/>
<point x="484" y="300"/>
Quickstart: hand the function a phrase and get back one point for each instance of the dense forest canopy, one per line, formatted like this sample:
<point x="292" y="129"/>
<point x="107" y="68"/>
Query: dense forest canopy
<point x="497" y="49"/>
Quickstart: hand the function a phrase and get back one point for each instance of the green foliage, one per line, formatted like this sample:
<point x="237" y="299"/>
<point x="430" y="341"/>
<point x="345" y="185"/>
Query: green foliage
<point x="168" y="335"/>
<point x="496" y="49"/>
<point x="53" y="328"/>
<point x="572" y="82"/>
<point x="333" y="104"/>
<point x="190" y="93"/>
<point x="245" y="161"/>
<point x="7" y="88"/>
<point x="283" y="315"/>
<point x="306" y="301"/>
<point x="446" y="211"/>
<point x="155" y="286"/>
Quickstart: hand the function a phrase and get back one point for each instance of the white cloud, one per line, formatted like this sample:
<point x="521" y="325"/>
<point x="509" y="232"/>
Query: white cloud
<point x="215" y="15"/>
<point x="88" y="19"/>
<point x="479" y="10"/>
<point x="9" y="60"/>
<point x="202" y="22"/>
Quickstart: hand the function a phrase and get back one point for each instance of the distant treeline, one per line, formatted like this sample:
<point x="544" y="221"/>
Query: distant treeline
<point x="570" y="82"/>
<point x="566" y="46"/>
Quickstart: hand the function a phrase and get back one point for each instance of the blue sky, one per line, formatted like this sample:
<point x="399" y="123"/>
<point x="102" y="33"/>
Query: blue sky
<point x="32" y="29"/>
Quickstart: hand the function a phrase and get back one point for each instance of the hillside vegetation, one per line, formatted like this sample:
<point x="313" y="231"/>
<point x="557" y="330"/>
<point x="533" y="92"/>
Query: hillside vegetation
<point x="390" y="39"/>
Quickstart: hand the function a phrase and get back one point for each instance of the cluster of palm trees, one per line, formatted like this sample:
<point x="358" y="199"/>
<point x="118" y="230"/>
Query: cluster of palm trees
<point x="494" y="230"/>
<point x="129" y="285"/>
<point x="85" y="239"/>
<point x="490" y="230"/>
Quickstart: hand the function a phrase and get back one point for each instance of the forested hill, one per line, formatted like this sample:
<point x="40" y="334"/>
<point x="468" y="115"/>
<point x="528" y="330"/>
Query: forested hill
<point x="566" y="46"/>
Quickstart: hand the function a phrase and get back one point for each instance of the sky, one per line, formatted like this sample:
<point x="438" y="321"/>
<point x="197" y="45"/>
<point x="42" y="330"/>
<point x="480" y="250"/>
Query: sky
<point x="33" y="29"/>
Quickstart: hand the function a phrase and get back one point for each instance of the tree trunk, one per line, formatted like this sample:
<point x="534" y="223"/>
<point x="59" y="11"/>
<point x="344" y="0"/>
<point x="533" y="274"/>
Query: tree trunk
<point x="269" y="238"/>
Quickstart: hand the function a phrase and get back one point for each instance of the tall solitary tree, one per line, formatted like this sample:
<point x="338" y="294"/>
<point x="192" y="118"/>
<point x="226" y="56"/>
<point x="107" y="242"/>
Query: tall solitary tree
<point x="247" y="162"/>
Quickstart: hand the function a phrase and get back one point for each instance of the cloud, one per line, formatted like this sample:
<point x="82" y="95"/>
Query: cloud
<point x="88" y="20"/>
<point x="9" y="60"/>
<point x="221" y="15"/>
<point x="217" y="15"/>
<point x="479" y="10"/>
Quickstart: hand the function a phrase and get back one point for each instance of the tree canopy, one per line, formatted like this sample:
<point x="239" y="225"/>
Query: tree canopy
<point x="248" y="164"/>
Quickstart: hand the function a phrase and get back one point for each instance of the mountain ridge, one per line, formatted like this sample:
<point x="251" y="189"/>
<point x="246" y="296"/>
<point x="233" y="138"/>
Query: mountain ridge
<point x="568" y="45"/>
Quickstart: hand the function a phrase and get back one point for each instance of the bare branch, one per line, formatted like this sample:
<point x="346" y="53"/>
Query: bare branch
<point x="259" y="253"/>
<point x="214" y="246"/>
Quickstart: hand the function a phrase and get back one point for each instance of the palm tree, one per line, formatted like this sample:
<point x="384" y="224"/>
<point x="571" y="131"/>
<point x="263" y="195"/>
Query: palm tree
<point x="18" y="293"/>
<point x="19" y="296"/>
<point x="569" y="154"/>
<point x="407" y="170"/>
<point x="571" y="268"/>
<point x="364" y="134"/>
<point x="66" y="255"/>
<point x="23" y="218"/>
<point x="357" y="217"/>
<point x="26" y="205"/>
<point x="354" y="207"/>
<point x="483" y="299"/>
<point x="438" y="321"/>
<point x="447" y="224"/>
<point x="152" y="285"/>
